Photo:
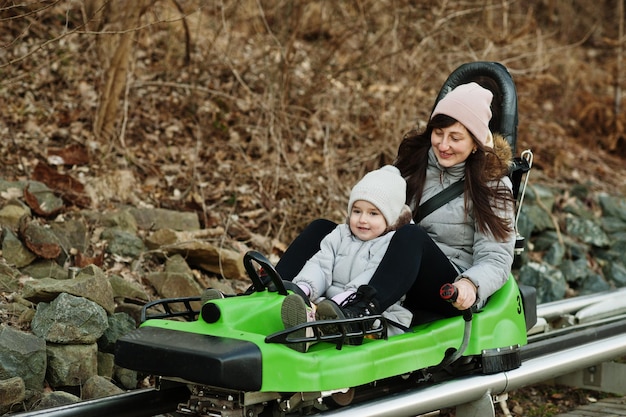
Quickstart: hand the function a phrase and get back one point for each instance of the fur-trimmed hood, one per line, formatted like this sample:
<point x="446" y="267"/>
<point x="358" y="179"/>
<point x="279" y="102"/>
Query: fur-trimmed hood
<point x="404" y="218"/>
<point x="498" y="168"/>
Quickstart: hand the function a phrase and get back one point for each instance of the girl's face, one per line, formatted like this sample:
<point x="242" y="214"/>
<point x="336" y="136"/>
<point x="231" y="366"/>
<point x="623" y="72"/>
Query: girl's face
<point x="452" y="144"/>
<point x="366" y="221"/>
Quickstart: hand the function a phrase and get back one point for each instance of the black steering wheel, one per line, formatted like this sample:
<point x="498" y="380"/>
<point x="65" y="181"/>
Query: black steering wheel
<point x="258" y="283"/>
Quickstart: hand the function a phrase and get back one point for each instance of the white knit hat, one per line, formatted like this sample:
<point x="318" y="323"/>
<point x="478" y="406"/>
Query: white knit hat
<point x="385" y="188"/>
<point x="470" y="105"/>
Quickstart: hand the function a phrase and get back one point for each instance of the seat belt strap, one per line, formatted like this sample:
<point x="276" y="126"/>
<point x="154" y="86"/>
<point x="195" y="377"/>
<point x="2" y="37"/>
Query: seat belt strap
<point x="438" y="200"/>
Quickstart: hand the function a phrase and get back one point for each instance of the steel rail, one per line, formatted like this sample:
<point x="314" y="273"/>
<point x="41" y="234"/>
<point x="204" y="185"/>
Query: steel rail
<point x="472" y="388"/>
<point x="137" y="403"/>
<point x="555" y="309"/>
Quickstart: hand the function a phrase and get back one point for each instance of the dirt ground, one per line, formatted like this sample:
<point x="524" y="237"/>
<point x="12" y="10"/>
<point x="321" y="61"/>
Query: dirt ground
<point x="546" y="400"/>
<point x="260" y="115"/>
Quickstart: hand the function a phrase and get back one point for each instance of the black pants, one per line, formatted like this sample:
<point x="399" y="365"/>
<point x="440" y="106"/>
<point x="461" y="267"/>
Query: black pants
<point x="413" y="266"/>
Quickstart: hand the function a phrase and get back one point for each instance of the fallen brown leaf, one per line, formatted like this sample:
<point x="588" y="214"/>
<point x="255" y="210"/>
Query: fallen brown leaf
<point x="74" y="154"/>
<point x="34" y="205"/>
<point x="70" y="189"/>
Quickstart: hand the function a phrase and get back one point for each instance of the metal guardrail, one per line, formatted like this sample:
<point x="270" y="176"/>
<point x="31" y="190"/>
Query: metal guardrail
<point x="474" y="388"/>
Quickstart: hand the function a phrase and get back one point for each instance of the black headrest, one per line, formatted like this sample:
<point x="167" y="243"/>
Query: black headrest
<point x="495" y="77"/>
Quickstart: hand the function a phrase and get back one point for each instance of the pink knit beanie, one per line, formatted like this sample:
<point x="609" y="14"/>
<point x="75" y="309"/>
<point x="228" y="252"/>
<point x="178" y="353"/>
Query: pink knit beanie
<point x="470" y="105"/>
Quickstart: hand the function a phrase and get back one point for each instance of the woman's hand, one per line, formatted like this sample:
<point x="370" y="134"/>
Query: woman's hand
<point x="466" y="291"/>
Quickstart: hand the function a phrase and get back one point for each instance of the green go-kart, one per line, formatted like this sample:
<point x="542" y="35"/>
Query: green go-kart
<point x="233" y="353"/>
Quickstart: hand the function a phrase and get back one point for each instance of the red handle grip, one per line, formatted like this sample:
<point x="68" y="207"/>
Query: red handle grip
<point x="448" y="292"/>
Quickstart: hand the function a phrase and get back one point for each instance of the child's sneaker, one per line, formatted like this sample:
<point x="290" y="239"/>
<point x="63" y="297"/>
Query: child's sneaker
<point x="295" y="310"/>
<point x="360" y="304"/>
<point x="329" y="310"/>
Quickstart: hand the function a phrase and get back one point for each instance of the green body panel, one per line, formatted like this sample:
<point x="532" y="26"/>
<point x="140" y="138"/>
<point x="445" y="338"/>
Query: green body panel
<point x="253" y="317"/>
<point x="501" y="323"/>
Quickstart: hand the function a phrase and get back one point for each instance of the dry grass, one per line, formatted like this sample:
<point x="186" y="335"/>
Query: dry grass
<point x="260" y="115"/>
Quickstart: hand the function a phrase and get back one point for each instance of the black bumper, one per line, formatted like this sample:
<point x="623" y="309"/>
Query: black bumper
<point x="207" y="360"/>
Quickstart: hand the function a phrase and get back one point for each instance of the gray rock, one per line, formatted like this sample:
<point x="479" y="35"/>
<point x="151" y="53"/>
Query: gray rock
<point x="206" y="256"/>
<point x="578" y="208"/>
<point x="555" y="254"/>
<point x="48" y="201"/>
<point x="588" y="231"/>
<point x="124" y="289"/>
<point x="176" y="281"/>
<point x="119" y="324"/>
<point x="544" y="240"/>
<point x="177" y="265"/>
<point x="106" y="364"/>
<point x="613" y="206"/>
<point x="615" y="253"/>
<point x="8" y="277"/>
<point x="12" y="212"/>
<point x="56" y="399"/>
<point x="45" y="197"/>
<point x="22" y="355"/>
<point x="593" y="283"/>
<point x="69" y="319"/>
<point x="578" y="250"/>
<point x="14" y="309"/>
<point x="71" y="234"/>
<point x="575" y="271"/>
<point x="613" y="225"/>
<point x="123" y="243"/>
<point x="45" y="268"/>
<point x="537" y="209"/>
<point x="40" y="239"/>
<point x="12" y="391"/>
<point x="90" y="283"/>
<point x="121" y="219"/>
<point x="549" y="281"/>
<point x="539" y="218"/>
<point x="615" y="272"/>
<point x="132" y="309"/>
<point x="154" y="219"/>
<point x="539" y="194"/>
<point x="99" y="387"/>
<point x="14" y="252"/>
<point x="71" y="365"/>
<point x="126" y="377"/>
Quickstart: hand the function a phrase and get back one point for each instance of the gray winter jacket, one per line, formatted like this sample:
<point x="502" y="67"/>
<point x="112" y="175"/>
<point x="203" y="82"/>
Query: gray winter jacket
<point x="346" y="262"/>
<point x="477" y="256"/>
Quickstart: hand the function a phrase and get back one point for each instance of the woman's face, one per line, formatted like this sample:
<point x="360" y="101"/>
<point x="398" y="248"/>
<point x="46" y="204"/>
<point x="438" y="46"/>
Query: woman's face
<point x="452" y="144"/>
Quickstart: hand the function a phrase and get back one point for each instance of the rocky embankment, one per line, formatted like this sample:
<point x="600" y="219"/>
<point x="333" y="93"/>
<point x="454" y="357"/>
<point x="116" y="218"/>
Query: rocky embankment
<point x="73" y="282"/>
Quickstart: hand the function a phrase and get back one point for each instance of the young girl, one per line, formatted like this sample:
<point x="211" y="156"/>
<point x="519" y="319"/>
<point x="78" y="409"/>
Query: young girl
<point x="337" y="276"/>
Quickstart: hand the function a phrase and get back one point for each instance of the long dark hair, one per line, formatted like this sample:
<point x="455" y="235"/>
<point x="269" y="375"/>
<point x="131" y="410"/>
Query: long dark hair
<point x="483" y="169"/>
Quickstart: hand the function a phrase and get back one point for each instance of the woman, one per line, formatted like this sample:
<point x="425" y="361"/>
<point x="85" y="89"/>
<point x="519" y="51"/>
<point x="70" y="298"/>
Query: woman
<point x="468" y="242"/>
<point x="474" y="233"/>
